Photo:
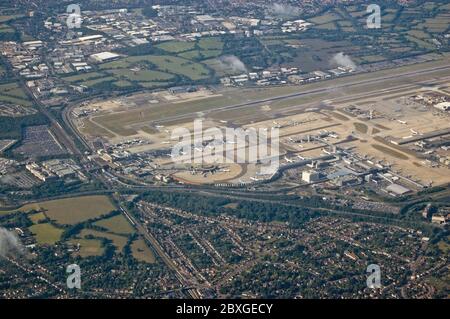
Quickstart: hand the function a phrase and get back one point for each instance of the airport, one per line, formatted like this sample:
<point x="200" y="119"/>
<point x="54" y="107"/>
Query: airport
<point x="393" y="127"/>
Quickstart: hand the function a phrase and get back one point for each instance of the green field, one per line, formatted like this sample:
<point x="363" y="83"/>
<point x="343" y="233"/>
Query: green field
<point x="71" y="211"/>
<point x="46" y="233"/>
<point x="141" y="75"/>
<point x="122" y="84"/>
<point x="84" y="77"/>
<point x="13" y="93"/>
<point x="117" y="224"/>
<point x="168" y="64"/>
<point x="118" y="241"/>
<point x="176" y="46"/>
<point x="142" y="252"/>
<point x="92" y="83"/>
<point x="88" y="247"/>
<point x="36" y="218"/>
<point x="200" y="54"/>
<point x="210" y="44"/>
<point x="154" y="85"/>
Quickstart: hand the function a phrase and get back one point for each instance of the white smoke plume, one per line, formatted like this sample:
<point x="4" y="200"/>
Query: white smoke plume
<point x="342" y="59"/>
<point x="10" y="244"/>
<point x="284" y="10"/>
<point x="232" y="62"/>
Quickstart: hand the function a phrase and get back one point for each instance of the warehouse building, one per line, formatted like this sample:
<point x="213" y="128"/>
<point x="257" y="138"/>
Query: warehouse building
<point x="104" y="57"/>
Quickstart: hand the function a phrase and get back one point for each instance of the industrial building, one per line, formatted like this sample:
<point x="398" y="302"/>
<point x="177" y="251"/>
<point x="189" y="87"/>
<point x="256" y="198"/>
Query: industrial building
<point x="397" y="189"/>
<point x="104" y="57"/>
<point x="310" y="176"/>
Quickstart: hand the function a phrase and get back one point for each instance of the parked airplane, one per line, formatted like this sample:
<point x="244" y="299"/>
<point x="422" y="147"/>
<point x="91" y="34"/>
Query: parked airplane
<point x="288" y="160"/>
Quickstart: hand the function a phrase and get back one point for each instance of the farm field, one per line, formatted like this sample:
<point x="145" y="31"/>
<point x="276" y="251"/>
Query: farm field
<point x="118" y="241"/>
<point x="12" y="93"/>
<point x="169" y="64"/>
<point x="64" y="213"/>
<point x="176" y="46"/>
<point x="141" y="75"/>
<point x="88" y="247"/>
<point x="46" y="233"/>
<point x="71" y="211"/>
<point x="117" y="224"/>
<point x="142" y="252"/>
<point x="36" y="218"/>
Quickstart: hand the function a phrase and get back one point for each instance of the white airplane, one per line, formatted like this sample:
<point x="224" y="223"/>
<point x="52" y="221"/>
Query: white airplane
<point x="288" y="160"/>
<point x="277" y="125"/>
<point x="224" y="122"/>
<point x="300" y="157"/>
<point x="414" y="132"/>
<point x="402" y="122"/>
